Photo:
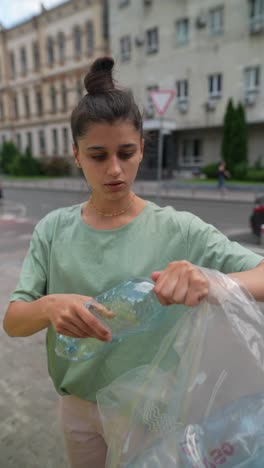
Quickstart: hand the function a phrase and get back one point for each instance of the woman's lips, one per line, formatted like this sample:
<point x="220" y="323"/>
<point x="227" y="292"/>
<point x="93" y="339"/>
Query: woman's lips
<point x="115" y="186"/>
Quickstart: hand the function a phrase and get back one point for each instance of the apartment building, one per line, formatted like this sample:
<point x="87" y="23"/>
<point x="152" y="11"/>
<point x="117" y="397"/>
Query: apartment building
<point x="42" y="65"/>
<point x="205" y="50"/>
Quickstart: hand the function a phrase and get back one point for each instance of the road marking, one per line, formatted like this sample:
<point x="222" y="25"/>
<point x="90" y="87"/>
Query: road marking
<point x="17" y="209"/>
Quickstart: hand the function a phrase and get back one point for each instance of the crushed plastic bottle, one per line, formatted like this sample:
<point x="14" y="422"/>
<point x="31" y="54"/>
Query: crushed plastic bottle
<point x="136" y="309"/>
<point x="233" y="437"/>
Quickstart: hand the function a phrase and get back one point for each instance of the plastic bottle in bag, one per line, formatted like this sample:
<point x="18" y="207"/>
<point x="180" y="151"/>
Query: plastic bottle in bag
<point x="136" y="309"/>
<point x="233" y="437"/>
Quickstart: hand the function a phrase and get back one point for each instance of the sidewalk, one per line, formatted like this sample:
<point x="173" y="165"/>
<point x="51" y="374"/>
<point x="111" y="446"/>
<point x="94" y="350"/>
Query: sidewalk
<point x="164" y="189"/>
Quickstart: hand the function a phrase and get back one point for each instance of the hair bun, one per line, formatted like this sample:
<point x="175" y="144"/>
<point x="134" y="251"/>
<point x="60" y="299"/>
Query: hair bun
<point x="99" y="79"/>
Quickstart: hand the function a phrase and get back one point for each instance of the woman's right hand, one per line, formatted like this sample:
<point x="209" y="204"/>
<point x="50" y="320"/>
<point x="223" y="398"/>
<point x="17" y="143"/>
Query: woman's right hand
<point x="69" y="316"/>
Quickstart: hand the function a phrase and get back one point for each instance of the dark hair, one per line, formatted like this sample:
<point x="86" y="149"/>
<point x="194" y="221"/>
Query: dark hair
<point x="103" y="101"/>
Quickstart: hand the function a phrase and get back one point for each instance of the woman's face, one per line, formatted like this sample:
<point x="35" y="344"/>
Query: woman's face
<point x="109" y="156"/>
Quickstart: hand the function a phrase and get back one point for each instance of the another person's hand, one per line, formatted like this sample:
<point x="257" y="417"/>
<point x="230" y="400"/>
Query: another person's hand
<point x="180" y="283"/>
<point x="69" y="316"/>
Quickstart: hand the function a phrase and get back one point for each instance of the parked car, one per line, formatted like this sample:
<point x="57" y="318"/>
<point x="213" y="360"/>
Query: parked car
<point x="257" y="216"/>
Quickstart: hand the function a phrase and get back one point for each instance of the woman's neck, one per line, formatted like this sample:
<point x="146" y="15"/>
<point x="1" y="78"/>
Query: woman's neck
<point x="99" y="221"/>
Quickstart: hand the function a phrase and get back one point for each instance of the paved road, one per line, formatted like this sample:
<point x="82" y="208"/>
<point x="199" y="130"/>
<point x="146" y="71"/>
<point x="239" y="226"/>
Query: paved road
<point x="231" y="217"/>
<point x="29" y="429"/>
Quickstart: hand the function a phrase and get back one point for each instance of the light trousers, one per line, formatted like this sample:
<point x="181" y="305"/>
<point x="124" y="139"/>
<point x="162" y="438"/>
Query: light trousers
<point x="83" y="433"/>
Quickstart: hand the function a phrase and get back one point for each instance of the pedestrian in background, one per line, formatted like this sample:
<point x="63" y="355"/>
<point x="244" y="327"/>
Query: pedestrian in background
<point x="222" y="174"/>
<point x="78" y="252"/>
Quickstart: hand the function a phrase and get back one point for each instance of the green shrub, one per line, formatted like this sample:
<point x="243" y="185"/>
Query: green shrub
<point x="211" y="170"/>
<point x="8" y="154"/>
<point x="25" y="165"/>
<point x="255" y="175"/>
<point x="240" y="171"/>
<point x="55" y="166"/>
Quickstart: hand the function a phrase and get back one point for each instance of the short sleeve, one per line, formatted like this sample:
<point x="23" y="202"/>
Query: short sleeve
<point x="208" y="247"/>
<point x="32" y="282"/>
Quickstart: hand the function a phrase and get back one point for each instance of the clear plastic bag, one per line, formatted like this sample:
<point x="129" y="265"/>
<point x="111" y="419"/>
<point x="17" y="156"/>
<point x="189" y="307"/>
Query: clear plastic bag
<point x="200" y="402"/>
<point x="136" y="309"/>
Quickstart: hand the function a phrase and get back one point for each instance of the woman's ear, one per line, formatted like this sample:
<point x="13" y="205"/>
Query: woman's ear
<point x="142" y="144"/>
<point x="76" y="155"/>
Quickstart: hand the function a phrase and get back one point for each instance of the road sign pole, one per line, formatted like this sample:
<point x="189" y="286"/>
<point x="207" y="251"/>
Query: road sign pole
<point x="161" y="100"/>
<point x="160" y="152"/>
<point x="160" y="162"/>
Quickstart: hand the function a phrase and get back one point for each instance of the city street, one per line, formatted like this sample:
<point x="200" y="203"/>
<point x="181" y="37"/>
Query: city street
<point x="29" y="426"/>
<point x="230" y="217"/>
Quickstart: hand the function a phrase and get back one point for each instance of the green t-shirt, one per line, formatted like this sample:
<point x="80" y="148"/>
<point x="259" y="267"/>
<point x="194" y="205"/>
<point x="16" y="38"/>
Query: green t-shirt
<point x="68" y="256"/>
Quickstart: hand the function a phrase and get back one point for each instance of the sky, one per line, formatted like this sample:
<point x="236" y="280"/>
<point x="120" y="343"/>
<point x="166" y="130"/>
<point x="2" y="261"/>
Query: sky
<point x="14" y="11"/>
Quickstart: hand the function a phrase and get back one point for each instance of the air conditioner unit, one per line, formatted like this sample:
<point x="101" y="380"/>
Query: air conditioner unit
<point x="250" y="99"/>
<point x="182" y="106"/>
<point x="210" y="105"/>
<point x="201" y="21"/>
<point x="123" y="3"/>
<point x="139" y="41"/>
<point x="256" y="27"/>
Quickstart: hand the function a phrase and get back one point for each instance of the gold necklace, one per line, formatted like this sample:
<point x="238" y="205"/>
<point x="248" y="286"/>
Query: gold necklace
<point x="112" y="214"/>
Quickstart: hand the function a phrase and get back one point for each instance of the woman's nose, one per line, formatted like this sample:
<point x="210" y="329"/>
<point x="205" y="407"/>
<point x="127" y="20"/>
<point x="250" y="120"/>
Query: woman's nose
<point x="114" y="168"/>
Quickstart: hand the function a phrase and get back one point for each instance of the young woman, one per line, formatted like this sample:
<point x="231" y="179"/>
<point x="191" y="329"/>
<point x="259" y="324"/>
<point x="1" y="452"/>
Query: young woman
<point x="78" y="252"/>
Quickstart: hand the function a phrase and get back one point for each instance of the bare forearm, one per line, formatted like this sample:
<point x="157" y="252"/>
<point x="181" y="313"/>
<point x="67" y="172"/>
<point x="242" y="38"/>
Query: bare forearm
<point x="253" y="280"/>
<point x="26" y="318"/>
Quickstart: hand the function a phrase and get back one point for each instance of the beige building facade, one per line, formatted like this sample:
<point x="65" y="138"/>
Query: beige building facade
<point x="206" y="51"/>
<point x="42" y="65"/>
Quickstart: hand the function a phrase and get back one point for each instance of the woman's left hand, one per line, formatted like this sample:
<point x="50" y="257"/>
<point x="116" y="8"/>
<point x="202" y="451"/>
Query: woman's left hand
<point x="180" y="283"/>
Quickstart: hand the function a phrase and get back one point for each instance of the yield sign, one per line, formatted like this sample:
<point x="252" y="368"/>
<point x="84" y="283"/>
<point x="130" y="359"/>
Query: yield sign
<point x="162" y="99"/>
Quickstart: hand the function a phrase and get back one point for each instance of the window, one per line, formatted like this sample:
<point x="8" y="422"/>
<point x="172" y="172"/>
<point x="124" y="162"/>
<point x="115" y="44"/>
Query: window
<point x="256" y="9"/>
<point x="55" y="140"/>
<point x="191" y="152"/>
<point x="252" y="79"/>
<point x="152" y="40"/>
<point x="79" y="90"/>
<point x="61" y="47"/>
<point x="12" y="64"/>
<point x="77" y="39"/>
<point x="182" y="89"/>
<point x="2" y="108"/>
<point x="23" y="60"/>
<point x="36" y="57"/>
<point x="15" y="107"/>
<point x="29" y="141"/>
<point x="26" y="104"/>
<point x="50" y="51"/>
<point x="39" y="103"/>
<point x="53" y="99"/>
<point x="18" y="142"/>
<point x="215" y="85"/>
<point x="182" y="31"/>
<point x="64" y="97"/>
<point x="42" y="142"/>
<point x="150" y="110"/>
<point x="125" y="48"/>
<point x="65" y="139"/>
<point x="216" y="21"/>
<point x="90" y="37"/>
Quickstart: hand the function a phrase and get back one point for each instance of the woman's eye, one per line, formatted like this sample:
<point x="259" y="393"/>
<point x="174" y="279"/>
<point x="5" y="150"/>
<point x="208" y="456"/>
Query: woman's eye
<point x="126" y="155"/>
<point x="99" y="157"/>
